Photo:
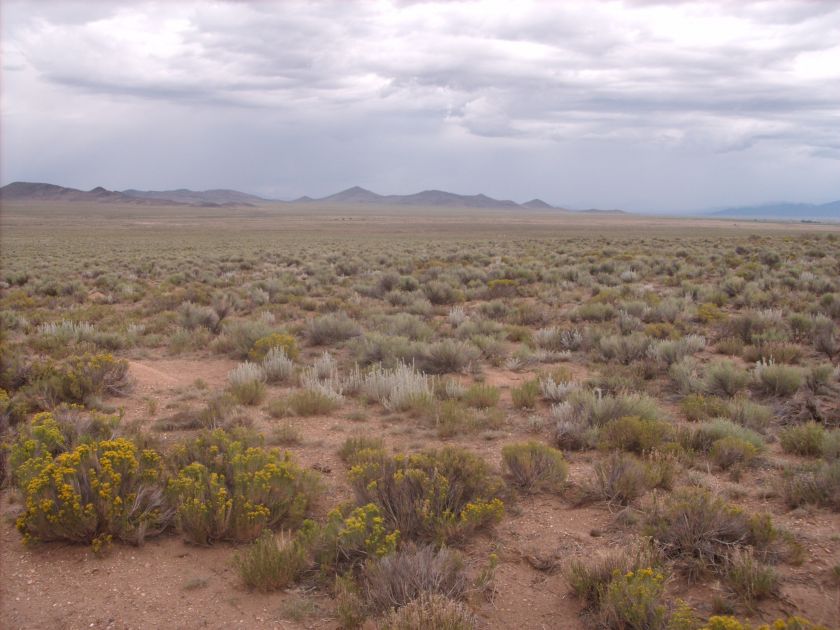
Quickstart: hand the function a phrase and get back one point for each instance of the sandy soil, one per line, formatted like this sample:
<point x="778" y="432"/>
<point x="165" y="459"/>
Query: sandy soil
<point x="168" y="584"/>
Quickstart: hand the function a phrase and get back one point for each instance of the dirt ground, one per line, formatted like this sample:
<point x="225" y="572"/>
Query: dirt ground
<point x="169" y="584"/>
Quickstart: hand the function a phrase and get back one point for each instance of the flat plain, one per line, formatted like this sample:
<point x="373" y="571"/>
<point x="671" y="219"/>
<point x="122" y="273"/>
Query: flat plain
<point x="333" y="416"/>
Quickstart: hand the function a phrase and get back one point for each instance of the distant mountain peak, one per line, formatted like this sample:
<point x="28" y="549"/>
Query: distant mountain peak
<point x="430" y="197"/>
<point x="537" y="204"/>
<point x="33" y="191"/>
<point x="218" y="196"/>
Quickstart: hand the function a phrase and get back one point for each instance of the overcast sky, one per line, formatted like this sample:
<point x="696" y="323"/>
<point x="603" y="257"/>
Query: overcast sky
<point x="641" y="105"/>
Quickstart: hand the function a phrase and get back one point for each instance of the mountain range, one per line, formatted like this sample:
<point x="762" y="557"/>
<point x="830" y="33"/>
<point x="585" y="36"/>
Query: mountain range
<point x="800" y="211"/>
<point x="29" y="191"/>
<point x="358" y="195"/>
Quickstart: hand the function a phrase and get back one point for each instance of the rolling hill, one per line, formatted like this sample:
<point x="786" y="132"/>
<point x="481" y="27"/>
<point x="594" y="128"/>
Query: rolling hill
<point x="433" y="198"/>
<point x="30" y="191"/>
<point x="36" y="191"/>
<point x="215" y="197"/>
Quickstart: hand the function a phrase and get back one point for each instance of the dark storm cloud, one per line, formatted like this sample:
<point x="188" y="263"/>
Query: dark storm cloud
<point x="403" y="93"/>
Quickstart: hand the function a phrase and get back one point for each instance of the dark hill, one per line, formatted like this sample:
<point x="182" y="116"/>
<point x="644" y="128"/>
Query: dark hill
<point x="440" y="198"/>
<point x="537" y="204"/>
<point x="219" y="197"/>
<point x="34" y="191"/>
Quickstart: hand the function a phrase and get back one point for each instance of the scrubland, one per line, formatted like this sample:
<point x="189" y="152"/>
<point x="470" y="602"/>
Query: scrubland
<point x="374" y="419"/>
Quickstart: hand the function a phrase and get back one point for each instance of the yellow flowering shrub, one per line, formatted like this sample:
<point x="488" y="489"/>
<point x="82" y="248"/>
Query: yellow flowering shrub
<point x="725" y="622"/>
<point x="93" y="493"/>
<point x="683" y="617"/>
<point x="793" y="623"/>
<point x="5" y="402"/>
<point x="440" y="496"/>
<point x="232" y="491"/>
<point x="49" y="433"/>
<point x="350" y="539"/>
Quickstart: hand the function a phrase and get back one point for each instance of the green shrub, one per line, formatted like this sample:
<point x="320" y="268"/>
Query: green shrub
<point x="594" y="410"/>
<point x="685" y="374"/>
<point x="624" y="348"/>
<point x="218" y="411"/>
<point x="240" y="336"/>
<point x="439" y="293"/>
<point x="776" y="379"/>
<point x="804" y="439"/>
<point x="731" y="346"/>
<point x="730" y="451"/>
<point x="635" y="601"/>
<point x="535" y="466"/>
<point x="620" y="478"/>
<point x="311" y="402"/>
<point x="266" y="565"/>
<point x="440" y="496"/>
<point x="449" y="355"/>
<point x="594" y="312"/>
<point x="93" y="494"/>
<point x="590" y="576"/>
<point x="699" y="530"/>
<point x="78" y="379"/>
<point x="698" y="407"/>
<point x="725" y="378"/>
<point x="748" y="414"/>
<point x="451" y="418"/>
<point x="749" y="579"/>
<point x="778" y="352"/>
<point x="502" y="287"/>
<point x="193" y="316"/>
<point x="819" y="377"/>
<point x="357" y="444"/>
<point x="226" y="490"/>
<point x="281" y="341"/>
<point x="709" y="313"/>
<point x="634" y="434"/>
<point x="831" y="445"/>
<point x="703" y="437"/>
<point x="386" y="351"/>
<point x="815" y="485"/>
<point x="332" y="328"/>
<point x="481" y="396"/>
<point x="350" y="608"/>
<point x="526" y="395"/>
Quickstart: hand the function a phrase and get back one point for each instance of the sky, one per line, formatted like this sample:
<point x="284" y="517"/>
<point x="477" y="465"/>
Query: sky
<point x="642" y="105"/>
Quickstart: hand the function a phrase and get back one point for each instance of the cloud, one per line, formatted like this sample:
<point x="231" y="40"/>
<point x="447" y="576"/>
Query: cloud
<point x="704" y="78"/>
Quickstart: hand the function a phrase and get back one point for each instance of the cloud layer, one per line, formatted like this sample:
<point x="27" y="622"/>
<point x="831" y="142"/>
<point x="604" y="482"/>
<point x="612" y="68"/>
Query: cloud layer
<point x="645" y="105"/>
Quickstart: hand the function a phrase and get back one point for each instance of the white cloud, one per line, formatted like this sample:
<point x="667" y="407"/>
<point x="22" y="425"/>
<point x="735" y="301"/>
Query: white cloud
<point x="691" y="77"/>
